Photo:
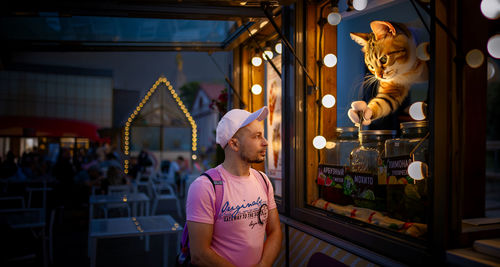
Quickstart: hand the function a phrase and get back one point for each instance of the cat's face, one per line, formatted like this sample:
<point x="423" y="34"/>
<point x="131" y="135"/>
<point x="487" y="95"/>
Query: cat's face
<point x="388" y="53"/>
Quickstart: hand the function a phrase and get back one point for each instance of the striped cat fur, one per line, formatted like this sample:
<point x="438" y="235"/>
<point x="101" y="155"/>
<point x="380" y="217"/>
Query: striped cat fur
<point x="390" y="55"/>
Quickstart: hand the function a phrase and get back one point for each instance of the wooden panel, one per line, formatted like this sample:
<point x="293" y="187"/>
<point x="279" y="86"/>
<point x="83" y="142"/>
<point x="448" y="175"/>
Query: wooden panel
<point x="329" y="78"/>
<point x="474" y="100"/>
<point x="311" y="105"/>
<point x="440" y="103"/>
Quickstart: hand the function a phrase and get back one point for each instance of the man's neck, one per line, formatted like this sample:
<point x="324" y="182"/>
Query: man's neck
<point x="236" y="167"/>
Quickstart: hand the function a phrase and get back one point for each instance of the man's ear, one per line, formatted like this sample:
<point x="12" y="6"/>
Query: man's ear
<point x="234" y="144"/>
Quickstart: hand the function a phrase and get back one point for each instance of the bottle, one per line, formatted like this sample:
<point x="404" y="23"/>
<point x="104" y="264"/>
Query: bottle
<point x="367" y="172"/>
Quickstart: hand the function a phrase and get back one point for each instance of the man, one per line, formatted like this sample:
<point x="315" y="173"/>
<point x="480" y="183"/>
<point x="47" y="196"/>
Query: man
<point x="236" y="237"/>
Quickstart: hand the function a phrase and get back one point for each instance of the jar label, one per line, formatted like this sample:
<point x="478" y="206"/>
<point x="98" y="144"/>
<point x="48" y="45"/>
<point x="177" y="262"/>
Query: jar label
<point x="330" y="175"/>
<point x="397" y="170"/>
<point x="363" y="185"/>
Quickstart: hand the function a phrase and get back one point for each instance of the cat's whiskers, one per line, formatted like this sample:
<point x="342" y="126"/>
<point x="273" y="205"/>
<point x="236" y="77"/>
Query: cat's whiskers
<point x="370" y="80"/>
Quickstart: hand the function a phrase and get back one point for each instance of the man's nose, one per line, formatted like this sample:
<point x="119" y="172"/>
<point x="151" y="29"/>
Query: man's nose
<point x="264" y="142"/>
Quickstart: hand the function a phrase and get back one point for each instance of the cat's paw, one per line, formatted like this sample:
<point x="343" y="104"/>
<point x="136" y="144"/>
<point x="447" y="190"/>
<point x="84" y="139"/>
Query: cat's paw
<point x="358" y="109"/>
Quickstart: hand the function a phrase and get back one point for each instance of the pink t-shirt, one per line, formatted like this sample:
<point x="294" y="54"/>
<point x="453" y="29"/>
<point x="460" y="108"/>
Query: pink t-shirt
<point x="239" y="232"/>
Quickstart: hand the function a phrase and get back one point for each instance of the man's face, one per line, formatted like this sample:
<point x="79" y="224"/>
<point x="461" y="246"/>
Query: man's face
<point x="252" y="144"/>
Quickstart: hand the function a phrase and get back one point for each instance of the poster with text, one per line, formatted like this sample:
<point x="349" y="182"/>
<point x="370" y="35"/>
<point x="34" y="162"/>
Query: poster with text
<point x="274" y="127"/>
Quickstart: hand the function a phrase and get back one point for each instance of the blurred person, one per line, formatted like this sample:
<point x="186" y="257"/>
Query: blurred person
<point x="175" y="172"/>
<point x="144" y="160"/>
<point x="9" y="166"/>
<point x="64" y="172"/>
<point x="246" y="230"/>
<point x="114" y="176"/>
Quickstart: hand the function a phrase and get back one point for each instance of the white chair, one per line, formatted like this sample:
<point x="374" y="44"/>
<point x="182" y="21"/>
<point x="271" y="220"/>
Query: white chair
<point x="56" y="212"/>
<point x="164" y="191"/>
<point x="119" y="190"/>
<point x="144" y="180"/>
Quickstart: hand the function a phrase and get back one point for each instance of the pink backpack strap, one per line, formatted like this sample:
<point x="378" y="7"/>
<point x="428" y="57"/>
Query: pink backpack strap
<point x="215" y="178"/>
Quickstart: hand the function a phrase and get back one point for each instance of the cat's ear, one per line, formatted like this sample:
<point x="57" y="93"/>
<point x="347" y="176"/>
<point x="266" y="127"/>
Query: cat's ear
<point x="382" y="28"/>
<point x="360" y="38"/>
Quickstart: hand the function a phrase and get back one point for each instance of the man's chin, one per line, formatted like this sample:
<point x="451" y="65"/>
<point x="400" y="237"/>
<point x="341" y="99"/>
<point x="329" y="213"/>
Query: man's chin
<point x="256" y="160"/>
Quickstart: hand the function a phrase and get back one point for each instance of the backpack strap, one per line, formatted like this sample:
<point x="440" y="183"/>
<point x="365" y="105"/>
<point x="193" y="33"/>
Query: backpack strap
<point x="216" y="179"/>
<point x="263" y="180"/>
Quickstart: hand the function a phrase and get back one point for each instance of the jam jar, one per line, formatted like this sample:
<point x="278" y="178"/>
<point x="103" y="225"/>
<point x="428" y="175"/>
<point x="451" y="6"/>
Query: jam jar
<point x="367" y="174"/>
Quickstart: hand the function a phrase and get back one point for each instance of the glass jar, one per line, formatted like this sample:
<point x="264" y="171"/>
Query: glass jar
<point x="331" y="174"/>
<point x="406" y="197"/>
<point x="367" y="172"/>
<point x="347" y="140"/>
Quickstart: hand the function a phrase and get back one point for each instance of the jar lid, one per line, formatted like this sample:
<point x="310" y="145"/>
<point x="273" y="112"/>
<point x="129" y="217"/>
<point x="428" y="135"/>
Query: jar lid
<point x="347" y="129"/>
<point x="378" y="132"/>
<point x="414" y="124"/>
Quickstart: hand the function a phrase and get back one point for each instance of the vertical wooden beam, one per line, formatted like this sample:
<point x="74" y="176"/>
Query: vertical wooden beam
<point x="311" y="105"/>
<point x="329" y="78"/>
<point x="475" y="36"/>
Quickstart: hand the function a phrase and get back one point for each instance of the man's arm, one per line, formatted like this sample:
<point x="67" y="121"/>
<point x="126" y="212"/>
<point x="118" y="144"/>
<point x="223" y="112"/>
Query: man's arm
<point x="272" y="246"/>
<point x="200" y="238"/>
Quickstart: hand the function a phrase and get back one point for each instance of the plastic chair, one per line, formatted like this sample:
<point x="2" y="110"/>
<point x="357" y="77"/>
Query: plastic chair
<point x="144" y="180"/>
<point x="164" y="191"/>
<point x="119" y="190"/>
<point x="55" y="212"/>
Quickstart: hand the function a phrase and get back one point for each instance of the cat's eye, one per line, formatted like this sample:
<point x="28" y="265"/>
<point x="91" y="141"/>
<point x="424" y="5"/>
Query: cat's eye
<point x="383" y="59"/>
<point x="370" y="66"/>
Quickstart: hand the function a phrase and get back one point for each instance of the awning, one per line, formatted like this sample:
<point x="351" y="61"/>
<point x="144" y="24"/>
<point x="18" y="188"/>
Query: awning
<point x="48" y="127"/>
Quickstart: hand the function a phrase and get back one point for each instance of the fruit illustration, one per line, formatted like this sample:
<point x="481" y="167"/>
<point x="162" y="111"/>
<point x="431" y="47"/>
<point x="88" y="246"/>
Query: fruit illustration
<point x="339" y="186"/>
<point x="393" y="179"/>
<point x="349" y="186"/>
<point x="402" y="181"/>
<point x="328" y="181"/>
<point x="321" y="179"/>
<point x="368" y="194"/>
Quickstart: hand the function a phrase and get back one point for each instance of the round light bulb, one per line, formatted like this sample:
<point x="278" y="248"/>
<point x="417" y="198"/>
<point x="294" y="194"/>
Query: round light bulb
<point x="490" y="8"/>
<point x="330" y="60"/>
<point x="422" y="51"/>
<point x="278" y="48"/>
<point x="474" y="58"/>
<point x="330" y="145"/>
<point x="334" y="18"/>
<point x="494" y="46"/>
<point x="417" y="111"/>
<point x="491" y="70"/>
<point x="328" y="101"/>
<point x="319" y="142"/>
<point x="359" y="4"/>
<point x="256" y="89"/>
<point x="256" y="61"/>
<point x="194" y="157"/>
<point x="417" y="170"/>
<point x="268" y="54"/>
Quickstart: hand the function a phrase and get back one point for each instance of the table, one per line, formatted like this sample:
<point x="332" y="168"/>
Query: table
<point x="135" y="226"/>
<point x="126" y="198"/>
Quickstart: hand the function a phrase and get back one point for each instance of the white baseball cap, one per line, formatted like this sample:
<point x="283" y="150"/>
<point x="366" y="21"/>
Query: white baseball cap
<point x="234" y="120"/>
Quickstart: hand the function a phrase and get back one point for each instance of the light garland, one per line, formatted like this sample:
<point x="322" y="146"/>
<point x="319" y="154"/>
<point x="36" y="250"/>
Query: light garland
<point x="141" y="105"/>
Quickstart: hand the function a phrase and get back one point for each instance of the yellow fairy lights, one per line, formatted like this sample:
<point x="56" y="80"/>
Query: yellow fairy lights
<point x="141" y="105"/>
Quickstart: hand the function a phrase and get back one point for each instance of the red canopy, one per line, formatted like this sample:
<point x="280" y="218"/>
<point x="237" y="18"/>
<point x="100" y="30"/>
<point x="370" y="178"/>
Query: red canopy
<point x="50" y="127"/>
